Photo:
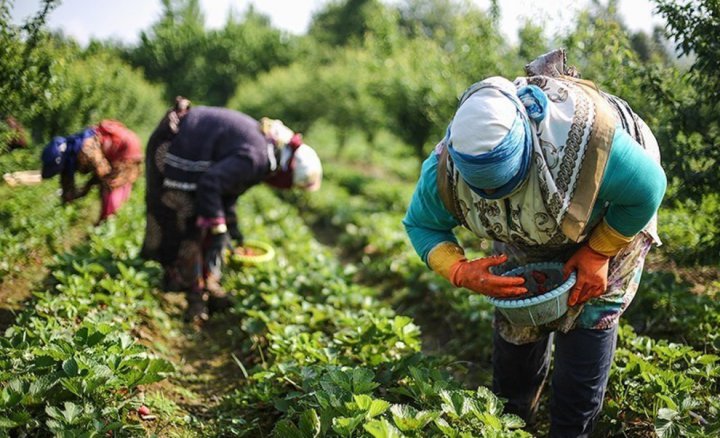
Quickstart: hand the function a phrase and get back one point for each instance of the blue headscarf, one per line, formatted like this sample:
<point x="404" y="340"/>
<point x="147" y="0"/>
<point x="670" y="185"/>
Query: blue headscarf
<point x="505" y="167"/>
<point x="60" y="155"/>
<point x="53" y="157"/>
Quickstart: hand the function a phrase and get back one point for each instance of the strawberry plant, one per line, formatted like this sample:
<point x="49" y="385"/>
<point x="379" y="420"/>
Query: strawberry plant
<point x="665" y="307"/>
<point x="326" y="357"/>
<point x="69" y="365"/>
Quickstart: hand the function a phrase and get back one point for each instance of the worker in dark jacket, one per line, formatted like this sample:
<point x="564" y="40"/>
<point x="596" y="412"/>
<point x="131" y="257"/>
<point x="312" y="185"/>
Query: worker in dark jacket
<point x="200" y="160"/>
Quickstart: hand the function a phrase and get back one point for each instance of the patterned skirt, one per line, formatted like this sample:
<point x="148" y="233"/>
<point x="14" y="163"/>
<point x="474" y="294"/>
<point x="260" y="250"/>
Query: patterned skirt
<point x="171" y="236"/>
<point x="598" y="313"/>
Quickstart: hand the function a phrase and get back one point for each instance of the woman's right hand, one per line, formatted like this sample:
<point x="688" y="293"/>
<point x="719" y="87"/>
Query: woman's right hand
<point x="476" y="276"/>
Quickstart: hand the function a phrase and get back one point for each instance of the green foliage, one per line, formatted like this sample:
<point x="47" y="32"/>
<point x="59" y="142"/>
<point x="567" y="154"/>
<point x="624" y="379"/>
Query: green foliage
<point x="70" y="364"/>
<point x="431" y="19"/>
<point x="345" y="98"/>
<point x="694" y="25"/>
<point x="419" y="93"/>
<point x="347" y="22"/>
<point x="671" y="383"/>
<point x="241" y="49"/>
<point x="323" y="353"/>
<point x="55" y="88"/>
<point x="670" y="308"/>
<point x="601" y="50"/>
<point x="681" y="113"/>
<point x="24" y="235"/>
<point x="532" y="42"/>
<point x="690" y="230"/>
<point x="663" y="386"/>
<point x="690" y="127"/>
<point x="340" y="402"/>
<point x="206" y="66"/>
<point x="25" y="64"/>
<point x="286" y="93"/>
<point x="383" y="79"/>
<point x="91" y="88"/>
<point x="333" y="360"/>
<point x="168" y="52"/>
<point x="649" y="48"/>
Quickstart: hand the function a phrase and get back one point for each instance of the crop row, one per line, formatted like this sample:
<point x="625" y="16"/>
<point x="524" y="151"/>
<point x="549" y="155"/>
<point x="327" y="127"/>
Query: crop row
<point x="71" y="364"/>
<point x="323" y="352"/>
<point x="32" y="227"/>
<point x="655" y="383"/>
<point x="325" y="357"/>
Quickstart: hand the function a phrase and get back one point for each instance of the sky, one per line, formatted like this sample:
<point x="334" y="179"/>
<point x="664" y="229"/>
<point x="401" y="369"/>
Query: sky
<point x="124" y="19"/>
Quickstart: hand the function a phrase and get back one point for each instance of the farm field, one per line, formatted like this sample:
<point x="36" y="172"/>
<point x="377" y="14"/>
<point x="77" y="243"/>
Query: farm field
<point x="346" y="332"/>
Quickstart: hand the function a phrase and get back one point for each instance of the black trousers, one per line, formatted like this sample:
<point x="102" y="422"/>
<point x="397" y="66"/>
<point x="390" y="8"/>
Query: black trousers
<point x="582" y="361"/>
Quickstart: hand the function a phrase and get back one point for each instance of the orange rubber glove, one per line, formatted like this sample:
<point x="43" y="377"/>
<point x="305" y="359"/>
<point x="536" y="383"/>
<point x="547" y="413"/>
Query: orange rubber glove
<point x="448" y="260"/>
<point x="476" y="276"/>
<point x="592" y="273"/>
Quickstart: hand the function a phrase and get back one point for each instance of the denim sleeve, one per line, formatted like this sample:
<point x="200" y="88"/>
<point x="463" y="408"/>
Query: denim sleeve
<point x="427" y="221"/>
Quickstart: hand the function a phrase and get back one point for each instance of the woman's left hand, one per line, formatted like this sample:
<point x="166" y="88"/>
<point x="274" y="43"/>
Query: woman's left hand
<point x="592" y="273"/>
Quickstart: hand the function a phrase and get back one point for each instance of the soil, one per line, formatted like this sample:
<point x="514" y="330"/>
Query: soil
<point x="207" y="359"/>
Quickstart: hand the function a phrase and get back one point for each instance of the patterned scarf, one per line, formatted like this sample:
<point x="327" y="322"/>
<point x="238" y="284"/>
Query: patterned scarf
<point x="503" y="168"/>
<point x="570" y="146"/>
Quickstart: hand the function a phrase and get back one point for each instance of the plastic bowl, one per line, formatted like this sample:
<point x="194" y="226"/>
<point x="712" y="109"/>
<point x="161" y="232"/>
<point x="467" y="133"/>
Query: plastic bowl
<point x="546" y="300"/>
<point x="263" y="253"/>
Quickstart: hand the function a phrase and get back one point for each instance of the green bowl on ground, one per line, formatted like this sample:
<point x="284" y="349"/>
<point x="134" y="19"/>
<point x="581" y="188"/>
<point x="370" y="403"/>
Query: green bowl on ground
<point x="547" y="295"/>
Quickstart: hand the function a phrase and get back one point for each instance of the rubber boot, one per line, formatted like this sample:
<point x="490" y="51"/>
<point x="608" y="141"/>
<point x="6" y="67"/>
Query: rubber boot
<point x="219" y="300"/>
<point x="172" y="280"/>
<point x="197" y="307"/>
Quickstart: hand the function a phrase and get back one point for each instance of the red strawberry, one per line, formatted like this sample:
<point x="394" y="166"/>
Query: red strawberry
<point x="539" y="276"/>
<point x="143" y="410"/>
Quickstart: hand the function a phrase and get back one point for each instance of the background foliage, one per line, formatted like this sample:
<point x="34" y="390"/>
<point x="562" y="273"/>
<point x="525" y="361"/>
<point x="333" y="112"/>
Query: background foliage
<point x="365" y="66"/>
<point x="54" y="87"/>
<point x="326" y="343"/>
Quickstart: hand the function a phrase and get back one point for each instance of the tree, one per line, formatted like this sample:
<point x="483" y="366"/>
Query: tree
<point x="692" y="129"/>
<point x="432" y="19"/>
<point x="241" y="50"/>
<point x="171" y="51"/>
<point x="419" y="94"/>
<point x="286" y="93"/>
<point x="344" y="22"/>
<point x="207" y="66"/>
<point x="695" y="27"/>
<point x="532" y="42"/>
<point x="25" y="66"/>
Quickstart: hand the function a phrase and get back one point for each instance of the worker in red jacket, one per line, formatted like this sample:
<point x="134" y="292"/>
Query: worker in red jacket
<point x="109" y="151"/>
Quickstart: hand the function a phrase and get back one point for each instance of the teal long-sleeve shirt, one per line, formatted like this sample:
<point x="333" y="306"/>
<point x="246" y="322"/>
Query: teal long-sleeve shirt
<point x="633" y="186"/>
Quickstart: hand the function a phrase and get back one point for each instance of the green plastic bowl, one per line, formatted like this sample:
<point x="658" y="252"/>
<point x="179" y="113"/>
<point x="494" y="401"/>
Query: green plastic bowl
<point x="265" y="253"/>
<point x="538" y="309"/>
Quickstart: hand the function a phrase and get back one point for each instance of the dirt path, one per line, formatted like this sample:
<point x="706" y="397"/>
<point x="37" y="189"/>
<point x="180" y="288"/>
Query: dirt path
<point x="207" y="367"/>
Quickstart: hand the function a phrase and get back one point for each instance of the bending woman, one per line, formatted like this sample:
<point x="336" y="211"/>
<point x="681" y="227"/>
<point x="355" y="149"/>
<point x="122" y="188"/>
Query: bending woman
<point x="200" y="160"/>
<point x="109" y="152"/>
<point x="550" y="170"/>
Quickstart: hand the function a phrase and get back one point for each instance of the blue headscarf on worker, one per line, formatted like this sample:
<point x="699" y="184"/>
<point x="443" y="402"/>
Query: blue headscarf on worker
<point x="495" y="164"/>
<point x="60" y="154"/>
